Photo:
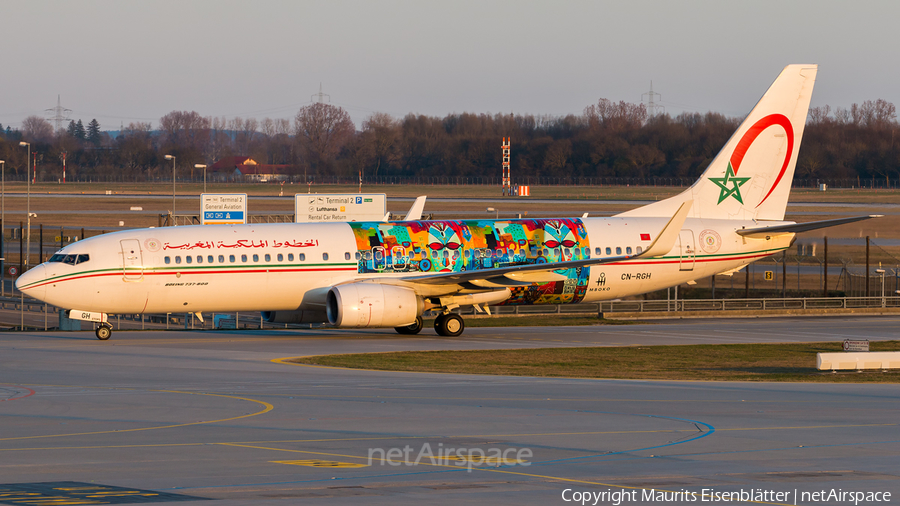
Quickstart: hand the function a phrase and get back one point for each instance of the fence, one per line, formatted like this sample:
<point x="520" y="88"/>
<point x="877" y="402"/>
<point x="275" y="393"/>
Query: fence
<point x="353" y="180"/>
<point x="37" y="315"/>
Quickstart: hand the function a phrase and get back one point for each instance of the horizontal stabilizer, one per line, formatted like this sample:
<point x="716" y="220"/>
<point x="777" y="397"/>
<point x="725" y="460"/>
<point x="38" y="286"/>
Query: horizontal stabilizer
<point x="793" y="228"/>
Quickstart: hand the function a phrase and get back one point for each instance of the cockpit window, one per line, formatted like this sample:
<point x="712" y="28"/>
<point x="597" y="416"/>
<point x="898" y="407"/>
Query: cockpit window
<point x="70" y="259"/>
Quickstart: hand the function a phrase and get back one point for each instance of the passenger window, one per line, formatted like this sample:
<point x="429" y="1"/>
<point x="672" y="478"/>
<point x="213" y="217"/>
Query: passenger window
<point x="199" y="259"/>
<point x="301" y="257"/>
<point x="210" y="259"/>
<point x="639" y="250"/>
<point x="256" y="258"/>
<point x="608" y="250"/>
<point x="598" y="251"/>
<point x="280" y="257"/>
<point x="189" y="259"/>
<point x="325" y="256"/>
<point x="167" y="260"/>
<point x="268" y="257"/>
<point x="231" y="258"/>
<point x="618" y="250"/>
<point x="221" y="259"/>
<point x="290" y="257"/>
<point x="456" y="255"/>
<point x="358" y="256"/>
<point x="178" y="259"/>
<point x="243" y="258"/>
<point x="628" y="250"/>
<point x="347" y="255"/>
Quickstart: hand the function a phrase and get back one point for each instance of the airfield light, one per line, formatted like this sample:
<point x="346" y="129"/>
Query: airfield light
<point x="202" y="166"/>
<point x="172" y="157"/>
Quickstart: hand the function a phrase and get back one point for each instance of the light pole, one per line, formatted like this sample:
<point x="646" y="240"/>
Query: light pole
<point x="171" y="157"/>
<point x="2" y="228"/>
<point x="881" y="271"/>
<point x="492" y="210"/>
<point x="202" y="166"/>
<point x="27" y="206"/>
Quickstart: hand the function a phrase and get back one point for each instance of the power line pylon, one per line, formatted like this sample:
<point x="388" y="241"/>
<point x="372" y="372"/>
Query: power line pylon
<point x="320" y="97"/>
<point x="59" y="113"/>
<point x="653" y="109"/>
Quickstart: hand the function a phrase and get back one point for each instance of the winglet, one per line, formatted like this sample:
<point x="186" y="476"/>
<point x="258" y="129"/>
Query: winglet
<point x="415" y="212"/>
<point x="666" y="239"/>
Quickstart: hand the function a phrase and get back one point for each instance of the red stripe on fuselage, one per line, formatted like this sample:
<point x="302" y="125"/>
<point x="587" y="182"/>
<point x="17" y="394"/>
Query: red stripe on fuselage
<point x="119" y="273"/>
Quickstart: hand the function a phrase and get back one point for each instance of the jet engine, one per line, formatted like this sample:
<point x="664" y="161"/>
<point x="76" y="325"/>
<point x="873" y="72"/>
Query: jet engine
<point x="372" y="305"/>
<point x="298" y="316"/>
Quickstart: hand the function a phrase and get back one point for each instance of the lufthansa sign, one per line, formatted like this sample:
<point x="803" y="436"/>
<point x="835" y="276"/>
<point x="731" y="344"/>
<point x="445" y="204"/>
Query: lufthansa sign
<point x="316" y="207"/>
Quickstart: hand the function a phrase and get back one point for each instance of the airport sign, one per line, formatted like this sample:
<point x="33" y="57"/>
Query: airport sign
<point x="317" y="207"/>
<point x="223" y="208"/>
<point x="856" y="345"/>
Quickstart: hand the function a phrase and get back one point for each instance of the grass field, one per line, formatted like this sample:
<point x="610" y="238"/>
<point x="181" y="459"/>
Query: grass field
<point x="724" y="362"/>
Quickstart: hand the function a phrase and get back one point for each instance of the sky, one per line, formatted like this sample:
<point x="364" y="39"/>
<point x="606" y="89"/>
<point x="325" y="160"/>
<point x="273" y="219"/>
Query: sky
<point x="123" y="62"/>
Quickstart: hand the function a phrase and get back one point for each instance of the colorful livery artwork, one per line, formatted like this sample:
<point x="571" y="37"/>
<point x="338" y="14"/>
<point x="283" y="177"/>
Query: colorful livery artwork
<point x="456" y="246"/>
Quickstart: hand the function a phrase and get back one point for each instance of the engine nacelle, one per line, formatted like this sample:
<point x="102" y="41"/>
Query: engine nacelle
<point x="298" y="316"/>
<point x="372" y="305"/>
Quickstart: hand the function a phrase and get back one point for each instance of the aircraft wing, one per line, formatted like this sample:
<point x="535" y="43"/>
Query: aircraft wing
<point x="792" y="228"/>
<point x="524" y="274"/>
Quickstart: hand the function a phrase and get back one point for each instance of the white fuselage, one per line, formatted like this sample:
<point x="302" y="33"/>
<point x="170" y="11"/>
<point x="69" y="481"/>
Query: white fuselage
<point x="269" y="267"/>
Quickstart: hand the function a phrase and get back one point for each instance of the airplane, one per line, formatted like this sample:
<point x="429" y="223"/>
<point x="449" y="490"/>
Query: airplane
<point x="387" y="273"/>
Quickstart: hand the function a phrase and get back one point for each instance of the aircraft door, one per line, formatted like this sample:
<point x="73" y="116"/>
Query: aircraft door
<point x="687" y="250"/>
<point x="132" y="260"/>
<point x="380" y="262"/>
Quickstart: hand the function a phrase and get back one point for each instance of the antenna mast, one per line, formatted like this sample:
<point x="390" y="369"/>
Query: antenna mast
<point x="507" y="190"/>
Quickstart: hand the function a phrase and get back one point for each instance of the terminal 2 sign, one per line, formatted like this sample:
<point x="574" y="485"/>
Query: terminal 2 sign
<point x="223" y="208"/>
<point x="318" y="208"/>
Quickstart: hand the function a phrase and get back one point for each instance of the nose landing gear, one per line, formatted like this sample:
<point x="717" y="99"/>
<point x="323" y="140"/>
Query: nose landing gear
<point x="104" y="331"/>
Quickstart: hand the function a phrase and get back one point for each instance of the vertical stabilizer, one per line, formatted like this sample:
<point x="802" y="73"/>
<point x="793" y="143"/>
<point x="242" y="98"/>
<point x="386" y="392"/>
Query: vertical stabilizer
<point x="751" y="176"/>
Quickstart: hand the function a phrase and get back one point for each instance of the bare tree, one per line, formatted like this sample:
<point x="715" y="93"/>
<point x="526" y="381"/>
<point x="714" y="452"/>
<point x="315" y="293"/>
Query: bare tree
<point x="382" y="132"/>
<point x="322" y="130"/>
<point x="37" y="129"/>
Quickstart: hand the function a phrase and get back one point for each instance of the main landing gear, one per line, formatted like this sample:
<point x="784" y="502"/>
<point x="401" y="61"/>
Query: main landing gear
<point x="449" y="325"/>
<point x="104" y="331"/>
<point x="415" y="328"/>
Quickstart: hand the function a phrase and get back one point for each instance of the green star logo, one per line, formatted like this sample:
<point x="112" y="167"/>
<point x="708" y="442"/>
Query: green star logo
<point x="729" y="179"/>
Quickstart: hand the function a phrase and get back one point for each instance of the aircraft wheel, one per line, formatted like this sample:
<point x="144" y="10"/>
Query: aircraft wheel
<point x="103" y="332"/>
<point x="449" y="325"/>
<point x="414" y="328"/>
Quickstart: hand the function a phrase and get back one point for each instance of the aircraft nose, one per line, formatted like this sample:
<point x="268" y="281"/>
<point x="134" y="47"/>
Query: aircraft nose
<point x="31" y="282"/>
